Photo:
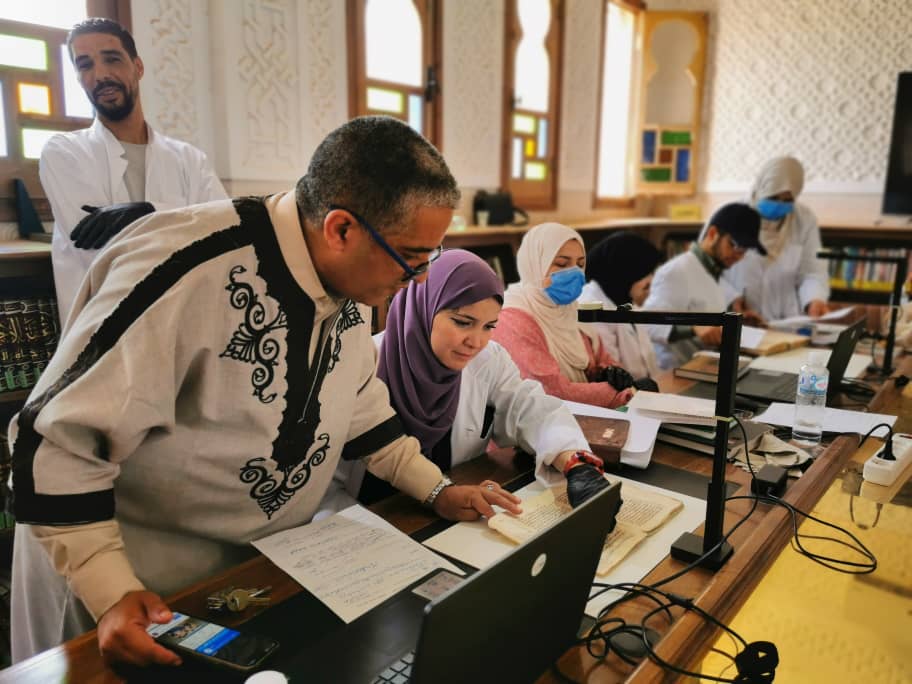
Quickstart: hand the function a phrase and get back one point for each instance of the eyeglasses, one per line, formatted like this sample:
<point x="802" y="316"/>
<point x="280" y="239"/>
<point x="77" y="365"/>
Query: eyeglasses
<point x="410" y="273"/>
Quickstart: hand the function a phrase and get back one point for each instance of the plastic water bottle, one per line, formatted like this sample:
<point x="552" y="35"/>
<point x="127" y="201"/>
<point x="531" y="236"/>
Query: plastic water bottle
<point x="810" y="401"/>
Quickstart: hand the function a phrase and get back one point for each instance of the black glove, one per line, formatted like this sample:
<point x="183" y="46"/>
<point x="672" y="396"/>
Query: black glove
<point x="647" y="384"/>
<point x="585" y="481"/>
<point x="617" y="377"/>
<point x="103" y="223"/>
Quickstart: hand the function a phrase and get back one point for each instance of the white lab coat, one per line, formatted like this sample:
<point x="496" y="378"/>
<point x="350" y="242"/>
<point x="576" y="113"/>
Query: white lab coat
<point x="684" y="285"/>
<point x="783" y="287"/>
<point x="87" y="167"/>
<point x="524" y="416"/>
<point x="627" y="344"/>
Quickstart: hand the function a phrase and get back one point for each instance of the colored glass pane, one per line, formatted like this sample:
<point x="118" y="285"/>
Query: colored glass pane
<point x="57" y="13"/>
<point x="33" y="139"/>
<point x="676" y="137"/>
<point x="530" y="147"/>
<point x="666" y="155"/>
<point x="392" y="35"/>
<point x="25" y="53"/>
<point x="75" y="101"/>
<point x="536" y="171"/>
<point x="524" y="124"/>
<point x="383" y="100"/>
<point x="532" y="60"/>
<point x="542" y="137"/>
<point x="516" y="158"/>
<point x="415" y="107"/>
<point x="34" y="98"/>
<point x="656" y="175"/>
<point x="649" y="147"/>
<point x="682" y="166"/>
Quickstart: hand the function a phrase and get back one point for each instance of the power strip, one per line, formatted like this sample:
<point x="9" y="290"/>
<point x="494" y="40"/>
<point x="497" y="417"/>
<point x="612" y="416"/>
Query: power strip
<point x="883" y="472"/>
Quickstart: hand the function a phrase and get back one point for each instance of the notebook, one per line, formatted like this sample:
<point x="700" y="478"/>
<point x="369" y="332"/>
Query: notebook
<point x="530" y="602"/>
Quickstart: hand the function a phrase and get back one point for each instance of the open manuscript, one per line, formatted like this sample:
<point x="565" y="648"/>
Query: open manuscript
<point x="641" y="514"/>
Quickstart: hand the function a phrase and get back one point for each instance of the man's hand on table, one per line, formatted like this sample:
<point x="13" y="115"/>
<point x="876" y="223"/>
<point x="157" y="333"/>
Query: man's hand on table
<point x="122" y="635"/>
<point x="469" y="502"/>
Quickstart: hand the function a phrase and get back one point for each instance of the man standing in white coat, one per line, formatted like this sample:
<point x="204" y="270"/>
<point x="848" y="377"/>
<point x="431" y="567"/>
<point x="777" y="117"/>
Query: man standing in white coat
<point x="102" y="178"/>
<point x="690" y="282"/>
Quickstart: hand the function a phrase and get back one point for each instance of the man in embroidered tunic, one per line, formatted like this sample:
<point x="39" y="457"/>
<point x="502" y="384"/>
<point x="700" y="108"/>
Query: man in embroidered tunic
<point x="219" y="367"/>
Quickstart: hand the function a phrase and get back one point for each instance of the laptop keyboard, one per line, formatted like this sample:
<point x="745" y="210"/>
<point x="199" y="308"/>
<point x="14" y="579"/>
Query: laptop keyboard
<point x="398" y="672"/>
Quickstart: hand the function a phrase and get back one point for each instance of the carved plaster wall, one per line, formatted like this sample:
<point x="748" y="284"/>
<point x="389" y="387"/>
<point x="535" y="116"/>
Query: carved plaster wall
<point x="472" y="90"/>
<point x="816" y="79"/>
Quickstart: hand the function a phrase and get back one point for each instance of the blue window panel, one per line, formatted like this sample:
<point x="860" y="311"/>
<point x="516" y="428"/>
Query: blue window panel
<point x="682" y="165"/>
<point x="649" y="147"/>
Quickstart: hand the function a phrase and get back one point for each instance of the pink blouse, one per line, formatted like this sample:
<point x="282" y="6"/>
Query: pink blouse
<point x="520" y="334"/>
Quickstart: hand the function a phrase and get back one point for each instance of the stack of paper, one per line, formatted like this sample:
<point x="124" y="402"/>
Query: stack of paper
<point x="641" y="435"/>
<point x="673" y="408"/>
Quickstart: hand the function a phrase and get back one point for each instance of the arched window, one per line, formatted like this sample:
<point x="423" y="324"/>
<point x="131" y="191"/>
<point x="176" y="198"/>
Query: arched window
<point x="532" y="68"/>
<point x="394" y="69"/>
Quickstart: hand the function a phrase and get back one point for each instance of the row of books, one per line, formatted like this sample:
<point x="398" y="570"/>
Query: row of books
<point x="29" y="332"/>
<point x="866" y="275"/>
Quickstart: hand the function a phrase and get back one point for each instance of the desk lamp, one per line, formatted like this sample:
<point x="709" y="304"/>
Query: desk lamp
<point x="895" y="301"/>
<point x="690" y="547"/>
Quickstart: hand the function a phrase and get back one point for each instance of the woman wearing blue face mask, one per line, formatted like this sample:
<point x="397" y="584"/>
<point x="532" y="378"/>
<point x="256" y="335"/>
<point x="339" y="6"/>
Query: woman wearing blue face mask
<point x="538" y="325"/>
<point x="790" y="280"/>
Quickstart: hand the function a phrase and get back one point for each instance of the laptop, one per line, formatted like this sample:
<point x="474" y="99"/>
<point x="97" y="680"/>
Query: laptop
<point x="506" y="623"/>
<point x="770" y="385"/>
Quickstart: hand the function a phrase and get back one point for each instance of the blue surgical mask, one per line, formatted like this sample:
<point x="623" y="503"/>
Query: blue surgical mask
<point x="566" y="285"/>
<point x="773" y="210"/>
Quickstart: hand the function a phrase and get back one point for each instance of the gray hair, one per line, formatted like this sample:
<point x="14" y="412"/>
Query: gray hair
<point x="379" y="168"/>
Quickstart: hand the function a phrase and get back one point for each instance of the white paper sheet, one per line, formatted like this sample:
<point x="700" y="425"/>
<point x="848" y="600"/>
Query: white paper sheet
<point x="751" y="337"/>
<point x="351" y="561"/>
<point x="641" y="436"/>
<point x="791" y="361"/>
<point x="798" y="320"/>
<point x="479" y="546"/>
<point x="834" y="420"/>
<point x="673" y="408"/>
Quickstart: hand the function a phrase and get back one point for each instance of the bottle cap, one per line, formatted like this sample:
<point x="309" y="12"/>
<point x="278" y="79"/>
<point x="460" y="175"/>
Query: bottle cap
<point x="818" y="357"/>
<point x="267" y="677"/>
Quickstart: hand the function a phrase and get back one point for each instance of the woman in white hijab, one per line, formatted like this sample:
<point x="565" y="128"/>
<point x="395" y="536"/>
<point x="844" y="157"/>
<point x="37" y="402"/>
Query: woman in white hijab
<point x="790" y="280"/>
<point x="538" y="324"/>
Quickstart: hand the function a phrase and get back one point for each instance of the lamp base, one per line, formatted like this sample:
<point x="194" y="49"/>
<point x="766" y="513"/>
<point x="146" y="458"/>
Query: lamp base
<point x="689" y="547"/>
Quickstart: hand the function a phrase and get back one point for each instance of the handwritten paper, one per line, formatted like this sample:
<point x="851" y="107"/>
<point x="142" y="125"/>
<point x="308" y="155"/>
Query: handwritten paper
<point x="351" y="561"/>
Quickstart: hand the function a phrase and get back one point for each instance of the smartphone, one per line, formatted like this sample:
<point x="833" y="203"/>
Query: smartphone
<point x="214" y="643"/>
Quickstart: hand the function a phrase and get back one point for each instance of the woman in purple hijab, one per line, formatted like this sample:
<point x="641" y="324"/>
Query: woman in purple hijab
<point x="456" y="391"/>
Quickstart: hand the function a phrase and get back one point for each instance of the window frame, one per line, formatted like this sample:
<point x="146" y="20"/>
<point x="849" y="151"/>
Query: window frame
<point x="638" y="7"/>
<point x="533" y="194"/>
<point x="430" y="13"/>
<point x="14" y="165"/>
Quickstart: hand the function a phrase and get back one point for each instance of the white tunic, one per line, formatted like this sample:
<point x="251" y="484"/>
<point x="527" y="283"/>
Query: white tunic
<point x="783" y="287"/>
<point x="524" y="416"/>
<point x="87" y="167"/>
<point x="209" y="386"/>
<point x="628" y="344"/>
<point x="681" y="284"/>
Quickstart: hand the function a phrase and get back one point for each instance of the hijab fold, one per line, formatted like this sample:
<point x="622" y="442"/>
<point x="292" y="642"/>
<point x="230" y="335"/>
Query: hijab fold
<point x="558" y="322"/>
<point x="780" y="174"/>
<point x="423" y="391"/>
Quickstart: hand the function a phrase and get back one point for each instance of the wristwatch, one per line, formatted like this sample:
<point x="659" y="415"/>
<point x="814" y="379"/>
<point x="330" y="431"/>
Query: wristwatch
<point x="584" y="457"/>
<point x="435" y="492"/>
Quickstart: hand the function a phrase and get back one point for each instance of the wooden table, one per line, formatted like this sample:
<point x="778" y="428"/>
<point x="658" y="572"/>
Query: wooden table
<point x="756" y="544"/>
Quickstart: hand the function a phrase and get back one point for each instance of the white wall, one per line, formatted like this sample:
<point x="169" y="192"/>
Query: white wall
<point x="257" y="85"/>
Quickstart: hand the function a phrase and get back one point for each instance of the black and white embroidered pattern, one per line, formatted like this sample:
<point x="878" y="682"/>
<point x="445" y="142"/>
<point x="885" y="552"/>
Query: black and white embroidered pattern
<point x="349" y="317"/>
<point x="251" y="342"/>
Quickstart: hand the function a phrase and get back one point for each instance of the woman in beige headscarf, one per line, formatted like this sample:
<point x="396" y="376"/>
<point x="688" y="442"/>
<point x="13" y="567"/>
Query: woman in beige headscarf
<point x="790" y="280"/>
<point x="538" y="324"/>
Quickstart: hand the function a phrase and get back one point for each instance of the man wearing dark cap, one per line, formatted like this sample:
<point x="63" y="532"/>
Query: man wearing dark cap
<point x="690" y="282"/>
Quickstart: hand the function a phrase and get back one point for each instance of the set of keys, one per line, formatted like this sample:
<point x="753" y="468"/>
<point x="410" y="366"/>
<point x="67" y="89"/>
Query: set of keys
<point x="236" y="600"/>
